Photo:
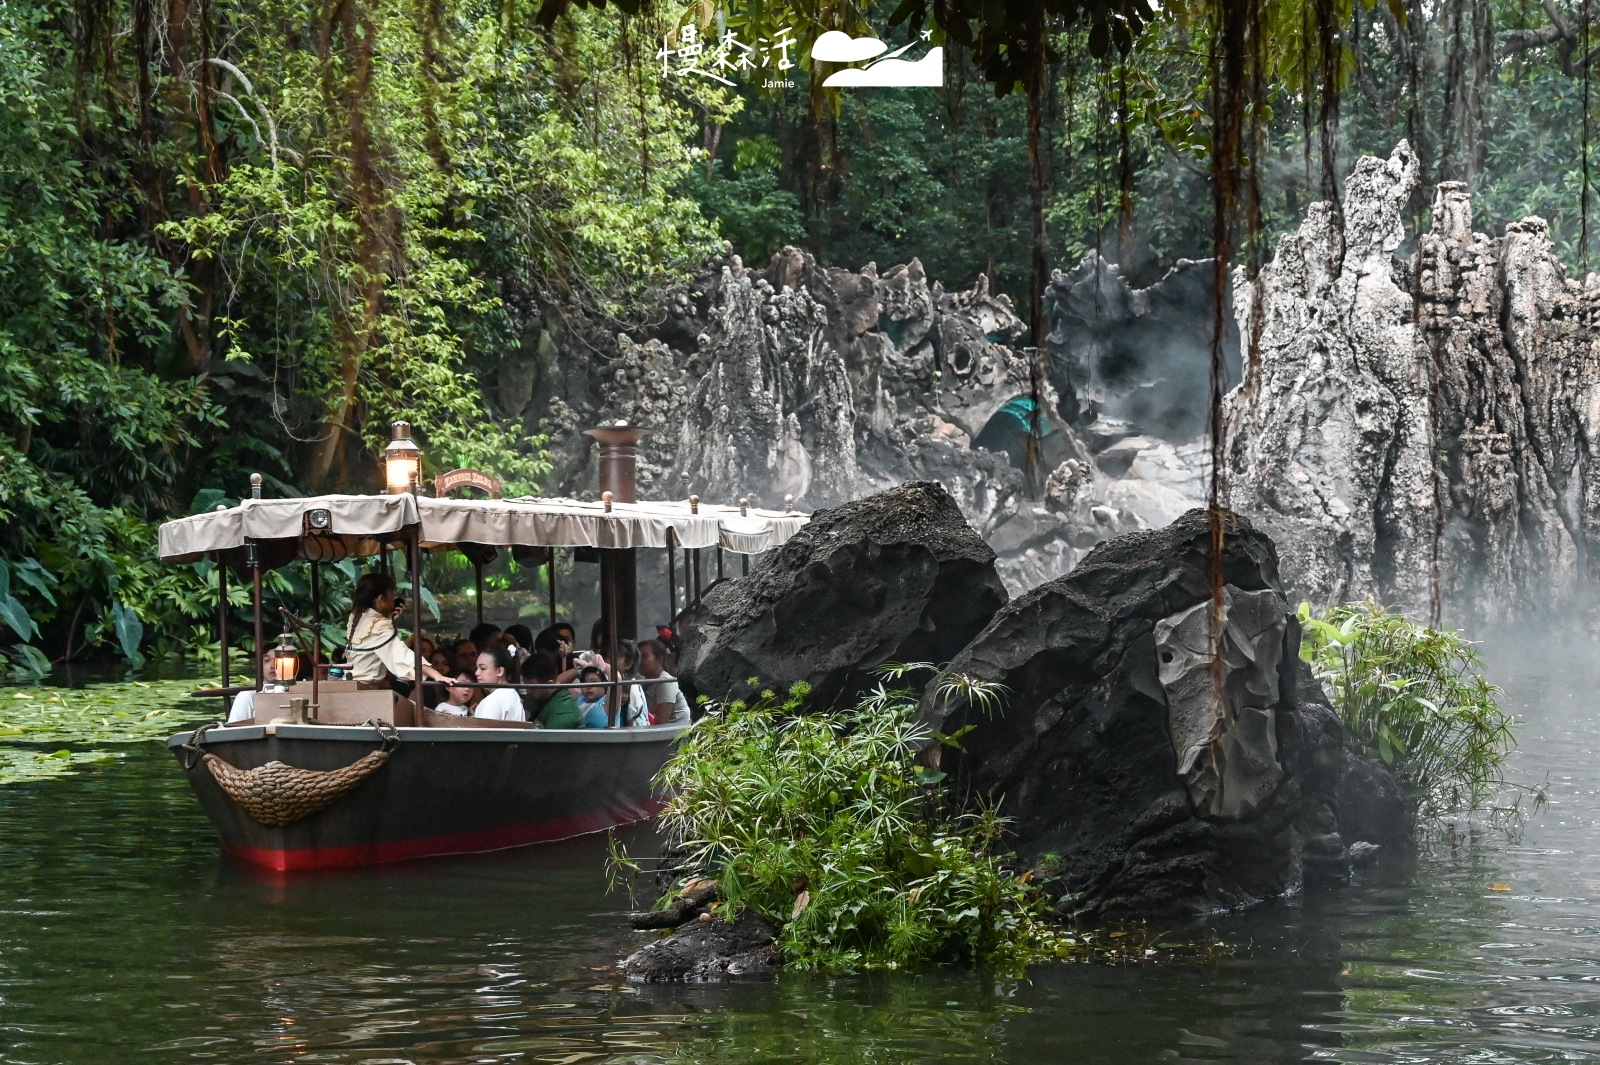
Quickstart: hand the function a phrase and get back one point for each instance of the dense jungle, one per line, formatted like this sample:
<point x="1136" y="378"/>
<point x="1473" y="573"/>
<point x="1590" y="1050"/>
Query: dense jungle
<point x="246" y="236"/>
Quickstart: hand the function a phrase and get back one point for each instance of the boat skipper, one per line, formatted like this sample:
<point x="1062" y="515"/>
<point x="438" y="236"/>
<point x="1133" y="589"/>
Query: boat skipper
<point x="378" y="657"/>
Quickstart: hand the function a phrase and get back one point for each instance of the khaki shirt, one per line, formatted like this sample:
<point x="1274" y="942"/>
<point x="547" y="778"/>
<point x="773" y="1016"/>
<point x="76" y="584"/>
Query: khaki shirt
<point x="376" y="651"/>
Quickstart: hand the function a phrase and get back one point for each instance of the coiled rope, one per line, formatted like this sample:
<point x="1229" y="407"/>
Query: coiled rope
<point x="276" y="794"/>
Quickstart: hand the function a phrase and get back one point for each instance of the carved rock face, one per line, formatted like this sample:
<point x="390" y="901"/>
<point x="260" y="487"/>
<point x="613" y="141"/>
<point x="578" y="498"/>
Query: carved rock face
<point x="1227" y="754"/>
<point x="1103" y="753"/>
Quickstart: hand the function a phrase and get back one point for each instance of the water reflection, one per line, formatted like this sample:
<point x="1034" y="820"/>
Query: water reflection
<point x="124" y="937"/>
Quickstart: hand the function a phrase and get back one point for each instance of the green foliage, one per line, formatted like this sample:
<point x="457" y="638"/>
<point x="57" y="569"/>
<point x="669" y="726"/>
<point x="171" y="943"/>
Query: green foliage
<point x="824" y="826"/>
<point x="1414" y="697"/>
<point x="129" y="712"/>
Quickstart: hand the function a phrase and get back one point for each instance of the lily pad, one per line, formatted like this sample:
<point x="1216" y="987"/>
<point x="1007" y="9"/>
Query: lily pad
<point x="130" y="712"/>
<point x="18" y="764"/>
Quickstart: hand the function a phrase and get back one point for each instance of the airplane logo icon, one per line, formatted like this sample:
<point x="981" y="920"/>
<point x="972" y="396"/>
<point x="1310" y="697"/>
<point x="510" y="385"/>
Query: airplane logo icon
<point x="888" y="72"/>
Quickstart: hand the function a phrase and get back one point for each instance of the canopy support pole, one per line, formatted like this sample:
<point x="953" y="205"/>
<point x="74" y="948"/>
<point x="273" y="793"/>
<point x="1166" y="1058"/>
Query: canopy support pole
<point x="477" y="595"/>
<point x="744" y="563"/>
<point x="414" y="564"/>
<point x="550" y="579"/>
<point x="719" y="562"/>
<point x="614" y="708"/>
<point x="222" y="621"/>
<point x="252" y="558"/>
<point x="672" y="578"/>
<point x="316" y="602"/>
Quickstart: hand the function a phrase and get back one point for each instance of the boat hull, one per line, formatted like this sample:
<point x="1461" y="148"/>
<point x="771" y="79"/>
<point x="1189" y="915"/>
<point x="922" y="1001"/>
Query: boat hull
<point x="442" y="791"/>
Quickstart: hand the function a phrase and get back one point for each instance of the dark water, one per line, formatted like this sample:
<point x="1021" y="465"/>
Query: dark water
<point x="123" y="937"/>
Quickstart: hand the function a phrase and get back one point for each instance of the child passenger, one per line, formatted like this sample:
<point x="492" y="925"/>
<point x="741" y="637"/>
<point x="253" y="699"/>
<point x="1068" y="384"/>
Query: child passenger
<point x="458" y="697"/>
<point x="592" y="698"/>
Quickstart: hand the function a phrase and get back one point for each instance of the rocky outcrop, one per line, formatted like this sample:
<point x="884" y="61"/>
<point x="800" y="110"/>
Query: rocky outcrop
<point x="896" y="577"/>
<point x="1421" y="428"/>
<point x="1120" y="769"/>
<point x="825" y="385"/>
<point x="1135" y="360"/>
<point x="707" y="950"/>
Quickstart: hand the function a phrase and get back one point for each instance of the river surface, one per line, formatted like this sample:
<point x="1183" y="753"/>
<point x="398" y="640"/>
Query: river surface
<point x="125" y="938"/>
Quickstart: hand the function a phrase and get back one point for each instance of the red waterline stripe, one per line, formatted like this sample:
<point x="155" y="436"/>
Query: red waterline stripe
<point x="400" y="850"/>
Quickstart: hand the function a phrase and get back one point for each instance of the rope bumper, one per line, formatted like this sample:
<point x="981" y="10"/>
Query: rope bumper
<point x="276" y="794"/>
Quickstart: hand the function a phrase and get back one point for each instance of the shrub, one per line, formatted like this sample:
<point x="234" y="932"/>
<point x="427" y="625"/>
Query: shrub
<point x="826" y="827"/>
<point x="1414" y="697"/>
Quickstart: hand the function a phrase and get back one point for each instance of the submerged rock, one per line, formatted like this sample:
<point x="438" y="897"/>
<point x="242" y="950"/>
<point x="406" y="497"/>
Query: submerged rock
<point x="896" y="577"/>
<point x="708" y="950"/>
<point x="1119" y="770"/>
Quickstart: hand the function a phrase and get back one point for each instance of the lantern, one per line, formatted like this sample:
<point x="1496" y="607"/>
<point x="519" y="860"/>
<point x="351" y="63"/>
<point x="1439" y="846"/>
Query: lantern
<point x="402" y="460"/>
<point x="285" y="660"/>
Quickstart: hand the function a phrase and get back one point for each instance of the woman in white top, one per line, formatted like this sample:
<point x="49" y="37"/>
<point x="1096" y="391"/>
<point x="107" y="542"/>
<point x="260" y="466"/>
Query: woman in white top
<point x="374" y="649"/>
<point x="501" y="704"/>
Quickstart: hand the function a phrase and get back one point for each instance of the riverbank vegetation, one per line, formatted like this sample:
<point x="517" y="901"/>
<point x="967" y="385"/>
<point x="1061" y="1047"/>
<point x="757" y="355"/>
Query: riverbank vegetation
<point x="828" y="828"/>
<point x="1415" y="698"/>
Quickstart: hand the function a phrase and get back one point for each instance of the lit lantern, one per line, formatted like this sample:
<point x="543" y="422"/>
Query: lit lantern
<point x="402" y="460"/>
<point x="285" y="660"/>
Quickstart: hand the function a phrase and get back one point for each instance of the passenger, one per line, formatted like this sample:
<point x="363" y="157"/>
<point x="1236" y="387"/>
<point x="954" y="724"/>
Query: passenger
<point x="555" y="708"/>
<point x="592" y="699"/>
<point x="665" y="699"/>
<point x="600" y="638"/>
<point x="441" y="661"/>
<point x="567" y="634"/>
<point x="466" y="655"/>
<point x="482" y="633"/>
<point x="378" y="659"/>
<point x="243" y="709"/>
<point x="552" y="641"/>
<point x="524" y="637"/>
<point x="501" y="704"/>
<point x="628" y="669"/>
<point x="460" y="696"/>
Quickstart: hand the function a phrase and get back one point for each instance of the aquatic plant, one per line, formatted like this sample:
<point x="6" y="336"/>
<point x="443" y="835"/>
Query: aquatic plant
<point x="1414" y="697"/>
<point x="826" y="826"/>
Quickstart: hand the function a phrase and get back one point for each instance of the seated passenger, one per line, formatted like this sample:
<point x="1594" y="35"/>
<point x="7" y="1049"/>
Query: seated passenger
<point x="501" y="704"/>
<point x="459" y="697"/>
<point x="243" y="710"/>
<point x="555" y="708"/>
<point x="466" y="655"/>
<point x="482" y="633"/>
<point x="524" y="637"/>
<point x="592" y="699"/>
<point x="628" y="669"/>
<point x="666" y="700"/>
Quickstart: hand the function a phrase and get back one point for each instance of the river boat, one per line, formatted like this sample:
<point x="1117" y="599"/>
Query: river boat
<point x="327" y="775"/>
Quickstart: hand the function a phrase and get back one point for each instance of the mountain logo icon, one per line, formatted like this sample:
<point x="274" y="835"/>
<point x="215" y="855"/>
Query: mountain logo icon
<point x="888" y="72"/>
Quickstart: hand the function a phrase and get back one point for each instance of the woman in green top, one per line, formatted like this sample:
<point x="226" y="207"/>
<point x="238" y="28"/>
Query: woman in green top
<point x="558" y="709"/>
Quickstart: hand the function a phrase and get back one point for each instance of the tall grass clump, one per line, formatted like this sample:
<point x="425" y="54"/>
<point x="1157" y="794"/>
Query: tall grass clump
<point x="1416" y="698"/>
<point x="825" y="826"/>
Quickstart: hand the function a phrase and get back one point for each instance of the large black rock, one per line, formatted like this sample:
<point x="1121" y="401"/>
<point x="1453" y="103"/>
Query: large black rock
<point x="895" y="577"/>
<point x="1119" y="769"/>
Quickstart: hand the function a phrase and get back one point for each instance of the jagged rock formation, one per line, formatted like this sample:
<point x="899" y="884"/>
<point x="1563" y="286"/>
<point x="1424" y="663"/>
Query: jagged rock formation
<point x="1408" y="427"/>
<point x="827" y="385"/>
<point x="1112" y="752"/>
<point x="896" y="577"/>
<point x="1135" y="360"/>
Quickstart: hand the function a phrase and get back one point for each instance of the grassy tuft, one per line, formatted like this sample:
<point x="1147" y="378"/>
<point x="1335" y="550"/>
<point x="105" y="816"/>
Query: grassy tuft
<point x="1416" y="698"/>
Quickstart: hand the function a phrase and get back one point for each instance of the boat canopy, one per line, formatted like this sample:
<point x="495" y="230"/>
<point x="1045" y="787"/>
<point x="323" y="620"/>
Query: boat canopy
<point x="356" y="526"/>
